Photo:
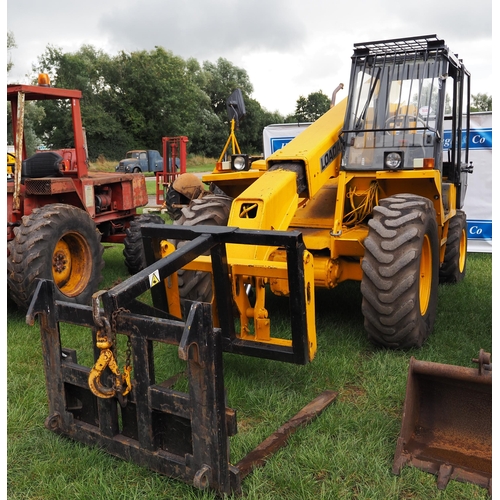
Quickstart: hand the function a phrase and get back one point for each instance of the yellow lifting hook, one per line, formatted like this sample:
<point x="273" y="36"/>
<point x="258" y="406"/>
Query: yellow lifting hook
<point x="122" y="383"/>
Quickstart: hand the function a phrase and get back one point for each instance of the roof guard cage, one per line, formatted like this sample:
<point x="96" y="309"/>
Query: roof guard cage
<point x="399" y="46"/>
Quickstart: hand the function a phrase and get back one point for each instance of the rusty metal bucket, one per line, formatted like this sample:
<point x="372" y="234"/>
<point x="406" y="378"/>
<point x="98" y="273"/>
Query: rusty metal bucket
<point x="447" y="422"/>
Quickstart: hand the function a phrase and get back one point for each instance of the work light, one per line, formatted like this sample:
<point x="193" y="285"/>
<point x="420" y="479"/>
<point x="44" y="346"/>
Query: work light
<point x="240" y="162"/>
<point x="393" y="160"/>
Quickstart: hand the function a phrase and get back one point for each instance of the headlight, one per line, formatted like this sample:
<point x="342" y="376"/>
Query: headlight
<point x="240" y="162"/>
<point x="393" y="161"/>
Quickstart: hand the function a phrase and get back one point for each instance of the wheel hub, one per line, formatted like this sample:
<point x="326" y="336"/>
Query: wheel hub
<point x="59" y="262"/>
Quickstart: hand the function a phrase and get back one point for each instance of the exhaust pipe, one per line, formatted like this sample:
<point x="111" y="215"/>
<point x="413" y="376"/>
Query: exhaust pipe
<point x="447" y="422"/>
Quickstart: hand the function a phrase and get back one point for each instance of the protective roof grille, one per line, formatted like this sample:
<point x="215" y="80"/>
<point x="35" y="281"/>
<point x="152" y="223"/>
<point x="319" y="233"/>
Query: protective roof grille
<point x="399" y="45"/>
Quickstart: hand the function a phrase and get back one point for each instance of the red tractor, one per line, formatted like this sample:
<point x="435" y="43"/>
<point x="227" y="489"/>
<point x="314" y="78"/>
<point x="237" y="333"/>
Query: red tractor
<point x="59" y="212"/>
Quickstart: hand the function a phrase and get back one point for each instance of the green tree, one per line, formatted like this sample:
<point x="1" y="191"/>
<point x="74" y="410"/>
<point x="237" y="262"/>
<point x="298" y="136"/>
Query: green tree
<point x="481" y="102"/>
<point x="134" y="99"/>
<point x="218" y="81"/>
<point x="32" y="115"/>
<point x="129" y="101"/>
<point x="32" y="112"/>
<point x="155" y="95"/>
<point x="83" y="70"/>
<point x="221" y="79"/>
<point x="310" y="108"/>
<point x="249" y="134"/>
<point x="11" y="44"/>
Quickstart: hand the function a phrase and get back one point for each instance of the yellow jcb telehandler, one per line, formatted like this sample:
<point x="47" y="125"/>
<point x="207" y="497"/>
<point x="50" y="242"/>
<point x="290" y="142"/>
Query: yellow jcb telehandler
<point x="375" y="187"/>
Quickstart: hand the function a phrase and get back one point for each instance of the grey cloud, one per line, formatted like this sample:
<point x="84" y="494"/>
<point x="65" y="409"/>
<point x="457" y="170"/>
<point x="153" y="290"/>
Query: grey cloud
<point x="206" y="29"/>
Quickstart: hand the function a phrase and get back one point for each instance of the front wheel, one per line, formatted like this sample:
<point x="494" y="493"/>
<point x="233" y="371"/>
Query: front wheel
<point x="59" y="243"/>
<point x="210" y="210"/>
<point x="400" y="272"/>
<point x="133" y="250"/>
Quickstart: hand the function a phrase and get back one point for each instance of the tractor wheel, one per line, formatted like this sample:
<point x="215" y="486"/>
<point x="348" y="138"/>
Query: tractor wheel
<point x="172" y="201"/>
<point x="400" y="272"/>
<point x="185" y="188"/>
<point x="455" y="255"/>
<point x="60" y="243"/>
<point x="210" y="210"/>
<point x="133" y="251"/>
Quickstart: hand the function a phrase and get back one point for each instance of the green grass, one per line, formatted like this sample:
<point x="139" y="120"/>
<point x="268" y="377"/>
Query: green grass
<point x="346" y="453"/>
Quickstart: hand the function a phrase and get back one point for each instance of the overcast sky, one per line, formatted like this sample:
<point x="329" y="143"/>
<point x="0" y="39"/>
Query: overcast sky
<point x="289" y="48"/>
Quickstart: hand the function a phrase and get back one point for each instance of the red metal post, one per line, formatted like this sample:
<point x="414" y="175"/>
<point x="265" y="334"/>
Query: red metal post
<point x="172" y="148"/>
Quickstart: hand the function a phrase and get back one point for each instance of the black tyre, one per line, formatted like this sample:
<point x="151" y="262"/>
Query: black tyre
<point x="59" y="243"/>
<point x="211" y="210"/>
<point x="133" y="251"/>
<point x="173" y="200"/>
<point x="400" y="272"/>
<point x="455" y="256"/>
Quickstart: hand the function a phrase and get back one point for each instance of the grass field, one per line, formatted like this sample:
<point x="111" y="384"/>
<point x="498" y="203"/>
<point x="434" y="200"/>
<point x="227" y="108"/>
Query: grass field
<point x="346" y="453"/>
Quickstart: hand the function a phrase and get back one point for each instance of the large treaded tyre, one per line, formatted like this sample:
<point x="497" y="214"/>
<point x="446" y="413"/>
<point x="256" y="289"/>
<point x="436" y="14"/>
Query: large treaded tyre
<point x="211" y="210"/>
<point x="133" y="251"/>
<point x="400" y="272"/>
<point x="455" y="256"/>
<point x="186" y="187"/>
<point x="172" y="201"/>
<point x="60" y="243"/>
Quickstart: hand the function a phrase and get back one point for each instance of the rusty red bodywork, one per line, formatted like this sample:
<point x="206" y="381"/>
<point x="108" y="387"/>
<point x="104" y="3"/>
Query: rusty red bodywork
<point x="110" y="199"/>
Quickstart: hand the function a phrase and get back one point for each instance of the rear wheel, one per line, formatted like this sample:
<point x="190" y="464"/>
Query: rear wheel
<point x="400" y="272"/>
<point x="174" y="201"/>
<point x="210" y="210"/>
<point x="59" y="243"/>
<point x="455" y="256"/>
<point x="133" y="251"/>
<point x="186" y="187"/>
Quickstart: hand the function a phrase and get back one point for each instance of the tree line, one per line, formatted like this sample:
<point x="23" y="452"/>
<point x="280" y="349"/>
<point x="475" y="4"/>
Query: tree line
<point x="132" y="100"/>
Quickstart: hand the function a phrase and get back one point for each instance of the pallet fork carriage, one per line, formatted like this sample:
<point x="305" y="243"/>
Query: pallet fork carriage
<point x="181" y="435"/>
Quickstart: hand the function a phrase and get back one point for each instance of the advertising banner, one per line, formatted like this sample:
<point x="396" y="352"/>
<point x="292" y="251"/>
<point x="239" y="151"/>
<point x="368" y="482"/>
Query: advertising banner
<point x="478" y="200"/>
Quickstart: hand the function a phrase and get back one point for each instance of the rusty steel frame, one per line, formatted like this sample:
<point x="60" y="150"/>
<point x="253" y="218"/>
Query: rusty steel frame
<point x="177" y="434"/>
<point x="446" y="428"/>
